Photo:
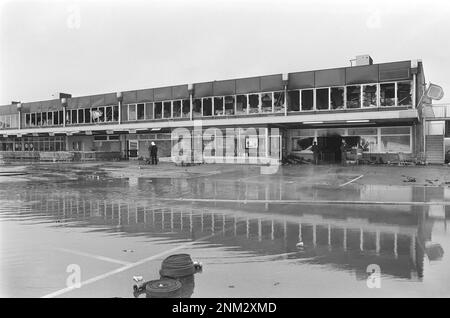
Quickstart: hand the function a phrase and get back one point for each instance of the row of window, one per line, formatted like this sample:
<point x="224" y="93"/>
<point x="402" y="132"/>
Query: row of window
<point x="9" y="121"/>
<point x="370" y="140"/>
<point x="56" y="143"/>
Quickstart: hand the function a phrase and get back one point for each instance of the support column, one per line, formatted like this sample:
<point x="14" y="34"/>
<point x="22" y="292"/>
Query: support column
<point x="119" y="101"/>
<point x="377" y="242"/>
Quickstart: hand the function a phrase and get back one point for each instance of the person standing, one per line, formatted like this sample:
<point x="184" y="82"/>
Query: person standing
<point x="154" y="153"/>
<point x="315" y="150"/>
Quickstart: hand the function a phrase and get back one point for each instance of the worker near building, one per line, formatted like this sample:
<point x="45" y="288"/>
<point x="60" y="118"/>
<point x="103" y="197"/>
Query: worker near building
<point x="343" y="153"/>
<point x="315" y="150"/>
<point x="153" y="149"/>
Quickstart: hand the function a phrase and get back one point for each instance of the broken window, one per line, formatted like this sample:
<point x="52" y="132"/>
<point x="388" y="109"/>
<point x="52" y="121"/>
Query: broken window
<point x="102" y="114"/>
<point x="158" y="110"/>
<point x="370" y="95"/>
<point x="61" y="117"/>
<point x="27" y="120"/>
<point x="266" y="102"/>
<point x="307" y="99"/>
<point x="278" y="102"/>
<point x="44" y="119"/>
<point x="116" y="113"/>
<point x="176" y="108"/>
<point x="387" y="94"/>
<point x="253" y="101"/>
<point x="354" y="96"/>
<point x="218" y="106"/>
<point x="38" y="119"/>
<point x="229" y="105"/>
<point x="241" y="104"/>
<point x="404" y="94"/>
<point x="50" y="118"/>
<point x="87" y="115"/>
<point x="293" y="101"/>
<point x="322" y="101"/>
<point x="33" y="119"/>
<point x="140" y="111"/>
<point x="80" y="116"/>
<point x="207" y="106"/>
<point x="337" y="97"/>
<point x="167" y="109"/>
<point x="302" y="143"/>
<point x="186" y="108"/>
<point x="197" y="108"/>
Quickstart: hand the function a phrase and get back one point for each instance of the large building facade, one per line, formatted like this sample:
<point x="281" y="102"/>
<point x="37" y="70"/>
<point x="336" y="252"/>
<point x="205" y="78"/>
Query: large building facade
<point x="376" y="107"/>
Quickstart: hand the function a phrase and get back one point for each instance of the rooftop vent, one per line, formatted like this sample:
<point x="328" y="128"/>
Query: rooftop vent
<point x="363" y="60"/>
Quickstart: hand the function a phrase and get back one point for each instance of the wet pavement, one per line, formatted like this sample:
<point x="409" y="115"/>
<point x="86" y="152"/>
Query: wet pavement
<point x="302" y="232"/>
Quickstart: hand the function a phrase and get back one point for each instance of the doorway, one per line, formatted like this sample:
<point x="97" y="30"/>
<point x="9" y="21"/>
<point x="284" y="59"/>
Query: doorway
<point x="330" y="148"/>
<point x="133" y="148"/>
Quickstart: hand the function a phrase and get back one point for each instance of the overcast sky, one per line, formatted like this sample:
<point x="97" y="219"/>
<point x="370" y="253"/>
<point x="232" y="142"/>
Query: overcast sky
<point x="91" y="47"/>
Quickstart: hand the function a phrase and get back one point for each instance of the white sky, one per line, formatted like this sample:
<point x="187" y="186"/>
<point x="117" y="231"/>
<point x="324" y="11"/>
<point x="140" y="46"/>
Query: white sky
<point x="91" y="47"/>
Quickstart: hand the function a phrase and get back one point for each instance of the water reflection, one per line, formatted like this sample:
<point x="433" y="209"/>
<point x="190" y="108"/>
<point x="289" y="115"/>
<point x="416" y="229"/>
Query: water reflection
<point x="398" y="238"/>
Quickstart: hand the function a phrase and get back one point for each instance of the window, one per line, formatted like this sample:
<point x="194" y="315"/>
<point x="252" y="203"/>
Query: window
<point x="158" y="110"/>
<point x="278" y="102"/>
<point x="302" y="143"/>
<point x="50" y="118"/>
<point x="207" y="107"/>
<point x="387" y="94"/>
<point x="177" y="108"/>
<point x="307" y="99"/>
<point x="87" y="115"/>
<point x="370" y="95"/>
<point x="74" y="116"/>
<point x="293" y="101"/>
<point x="44" y="119"/>
<point x="132" y="112"/>
<point x="140" y="111"/>
<point x="241" y="104"/>
<point x="266" y="102"/>
<point x="61" y="117"/>
<point x="38" y="119"/>
<point x="218" y="106"/>
<point x="447" y="128"/>
<point x="186" y="108"/>
<point x="33" y="119"/>
<point x="229" y="105"/>
<point x="395" y="139"/>
<point x="116" y="113"/>
<point x="322" y="98"/>
<point x="354" y="96"/>
<point x="404" y="94"/>
<point x="253" y="101"/>
<point x="27" y="120"/>
<point x="108" y="114"/>
<point x="102" y="114"/>
<point x="197" y="108"/>
<point x="167" y="109"/>
<point x="337" y="97"/>
<point x="80" y="116"/>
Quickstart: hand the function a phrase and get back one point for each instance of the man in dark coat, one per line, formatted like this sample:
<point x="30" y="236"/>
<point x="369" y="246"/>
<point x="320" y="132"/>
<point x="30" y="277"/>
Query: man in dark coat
<point x="315" y="150"/>
<point x="154" y="153"/>
<point x="343" y="149"/>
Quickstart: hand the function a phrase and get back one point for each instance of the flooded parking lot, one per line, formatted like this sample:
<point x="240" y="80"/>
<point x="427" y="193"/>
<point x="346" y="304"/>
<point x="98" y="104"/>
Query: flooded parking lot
<point x="293" y="234"/>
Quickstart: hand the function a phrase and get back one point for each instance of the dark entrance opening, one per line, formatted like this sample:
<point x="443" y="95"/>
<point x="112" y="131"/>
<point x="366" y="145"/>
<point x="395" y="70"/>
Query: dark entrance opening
<point x="330" y="147"/>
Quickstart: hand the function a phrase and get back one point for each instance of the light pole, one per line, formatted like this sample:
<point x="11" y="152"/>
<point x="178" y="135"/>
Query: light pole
<point x="285" y="78"/>
<point x="19" y="110"/>
<point x="119" y="100"/>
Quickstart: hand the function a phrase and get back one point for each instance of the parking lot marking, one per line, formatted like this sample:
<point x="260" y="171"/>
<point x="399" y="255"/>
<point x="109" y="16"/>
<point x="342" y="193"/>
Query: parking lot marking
<point x="99" y="257"/>
<point x="344" y="184"/>
<point x="121" y="269"/>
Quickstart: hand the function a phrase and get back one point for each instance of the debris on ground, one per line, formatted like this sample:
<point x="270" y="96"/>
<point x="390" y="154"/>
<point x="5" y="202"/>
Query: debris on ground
<point x="299" y="245"/>
<point x="409" y="179"/>
<point x="131" y="251"/>
<point x="295" y="160"/>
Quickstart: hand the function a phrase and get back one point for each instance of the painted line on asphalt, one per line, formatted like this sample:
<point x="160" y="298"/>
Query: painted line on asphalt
<point x="98" y="257"/>
<point x="344" y="184"/>
<point x="121" y="269"/>
<point x="311" y="202"/>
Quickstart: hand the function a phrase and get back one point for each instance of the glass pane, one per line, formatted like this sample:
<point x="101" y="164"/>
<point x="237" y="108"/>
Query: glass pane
<point x="158" y="110"/>
<point x="266" y="102"/>
<point x="395" y="144"/>
<point x="44" y="119"/>
<point x="140" y="111"/>
<point x="218" y="106"/>
<point x="395" y="131"/>
<point x="241" y="105"/>
<point x="404" y="94"/>
<point x="132" y="112"/>
<point x="354" y="96"/>
<point x="307" y="99"/>
<point x="109" y="114"/>
<point x="167" y="109"/>
<point x="302" y="144"/>
<point x="253" y="101"/>
<point x="116" y="113"/>
<point x="87" y="115"/>
<point x="207" y="107"/>
<point x="370" y="95"/>
<point x="387" y="94"/>
<point x="177" y="108"/>
<point x="229" y="105"/>
<point x="322" y="98"/>
<point x="80" y="116"/>
<point x="369" y="144"/>
<point x="362" y="131"/>
<point x="197" y="108"/>
<point x="186" y="108"/>
<point x="337" y="98"/>
<point x="293" y="101"/>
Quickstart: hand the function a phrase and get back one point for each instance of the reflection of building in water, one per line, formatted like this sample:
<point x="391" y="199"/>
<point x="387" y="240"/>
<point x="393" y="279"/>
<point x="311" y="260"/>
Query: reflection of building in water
<point x="345" y="237"/>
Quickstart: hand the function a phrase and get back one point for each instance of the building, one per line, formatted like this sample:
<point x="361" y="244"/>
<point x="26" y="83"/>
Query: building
<point x="377" y="107"/>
